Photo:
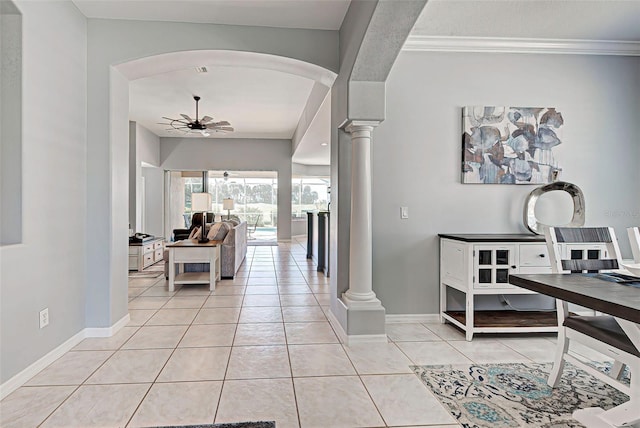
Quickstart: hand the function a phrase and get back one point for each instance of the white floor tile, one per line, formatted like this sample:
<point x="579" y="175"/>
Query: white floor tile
<point x="217" y="316"/>
<point x="259" y="362"/>
<point x="184" y="403"/>
<point x="432" y="353"/>
<point x="28" y="407"/>
<point x="378" y="358"/>
<point x="256" y="314"/>
<point x="319" y="360"/>
<point x="103" y="406"/>
<point x="404" y="400"/>
<point x="207" y="335"/>
<point x="489" y="351"/>
<point x="347" y="398"/>
<point x="72" y="368"/>
<point x="196" y="364"/>
<point x="152" y="337"/>
<point x="310" y="332"/>
<point x="401" y="332"/>
<point x="270" y="400"/>
<point x="135" y="366"/>
<point x="259" y="334"/>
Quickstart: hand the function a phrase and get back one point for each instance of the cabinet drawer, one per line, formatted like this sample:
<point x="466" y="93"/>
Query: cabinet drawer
<point x="148" y="259"/>
<point x="158" y="254"/>
<point x="147" y="248"/>
<point x="157" y="245"/>
<point x="534" y="255"/>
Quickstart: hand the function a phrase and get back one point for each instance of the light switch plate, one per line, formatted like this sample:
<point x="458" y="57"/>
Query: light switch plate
<point x="404" y="212"/>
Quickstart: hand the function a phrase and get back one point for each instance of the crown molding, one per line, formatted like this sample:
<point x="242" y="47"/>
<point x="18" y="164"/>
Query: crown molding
<point x="521" y="45"/>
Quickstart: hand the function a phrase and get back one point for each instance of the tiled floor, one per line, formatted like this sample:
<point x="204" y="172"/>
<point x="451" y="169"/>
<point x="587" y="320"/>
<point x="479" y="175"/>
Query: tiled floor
<point x="259" y="348"/>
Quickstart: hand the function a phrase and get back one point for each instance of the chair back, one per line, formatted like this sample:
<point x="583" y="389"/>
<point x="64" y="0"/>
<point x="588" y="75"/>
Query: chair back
<point x="634" y="239"/>
<point x="580" y="249"/>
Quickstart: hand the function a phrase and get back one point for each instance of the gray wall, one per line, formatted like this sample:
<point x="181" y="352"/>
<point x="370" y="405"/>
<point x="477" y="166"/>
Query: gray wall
<point x="154" y="201"/>
<point x="299" y="169"/>
<point x="111" y="43"/>
<point x="144" y="150"/>
<point x="10" y="124"/>
<point x="417" y="155"/>
<point x="199" y="154"/>
<point x="48" y="268"/>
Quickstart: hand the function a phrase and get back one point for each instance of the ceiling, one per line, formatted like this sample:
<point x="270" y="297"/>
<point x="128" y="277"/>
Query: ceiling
<point x="258" y="103"/>
<point x="310" y="14"/>
<point x="268" y="104"/>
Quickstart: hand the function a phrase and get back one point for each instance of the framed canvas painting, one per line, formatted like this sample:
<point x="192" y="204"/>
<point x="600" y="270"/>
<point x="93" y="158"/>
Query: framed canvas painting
<point x="510" y="145"/>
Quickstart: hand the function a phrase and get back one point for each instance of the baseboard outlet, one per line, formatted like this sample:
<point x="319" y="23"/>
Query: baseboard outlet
<point x="107" y="331"/>
<point x="412" y="318"/>
<point x="21" y="378"/>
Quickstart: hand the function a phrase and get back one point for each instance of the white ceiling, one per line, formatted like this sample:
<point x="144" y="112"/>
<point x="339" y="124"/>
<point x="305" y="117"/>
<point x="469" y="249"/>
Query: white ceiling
<point x="538" y="19"/>
<point x="267" y="103"/>
<point x="258" y="103"/>
<point x="310" y="14"/>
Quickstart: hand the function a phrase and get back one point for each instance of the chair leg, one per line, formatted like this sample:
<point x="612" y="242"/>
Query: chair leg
<point x="559" y="362"/>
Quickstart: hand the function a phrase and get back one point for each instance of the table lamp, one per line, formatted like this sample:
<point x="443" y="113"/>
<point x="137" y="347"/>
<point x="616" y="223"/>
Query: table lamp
<point x="201" y="202"/>
<point x="227" y="204"/>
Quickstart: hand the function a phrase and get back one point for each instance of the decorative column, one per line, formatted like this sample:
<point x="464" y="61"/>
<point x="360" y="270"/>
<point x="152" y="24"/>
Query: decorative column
<point x="360" y="292"/>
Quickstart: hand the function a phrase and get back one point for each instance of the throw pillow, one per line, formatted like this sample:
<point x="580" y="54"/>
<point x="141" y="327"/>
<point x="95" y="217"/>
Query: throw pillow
<point x="233" y="222"/>
<point x="218" y="231"/>
<point x="195" y="233"/>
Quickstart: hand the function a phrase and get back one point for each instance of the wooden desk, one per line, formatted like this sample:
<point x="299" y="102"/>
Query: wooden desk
<point x="191" y="251"/>
<point x="618" y="300"/>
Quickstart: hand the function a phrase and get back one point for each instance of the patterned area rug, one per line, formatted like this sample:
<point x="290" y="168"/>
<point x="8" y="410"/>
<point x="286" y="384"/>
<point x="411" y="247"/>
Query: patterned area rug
<point x="516" y="395"/>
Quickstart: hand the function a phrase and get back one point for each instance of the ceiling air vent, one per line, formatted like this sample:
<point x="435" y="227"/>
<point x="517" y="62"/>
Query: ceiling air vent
<point x="201" y="69"/>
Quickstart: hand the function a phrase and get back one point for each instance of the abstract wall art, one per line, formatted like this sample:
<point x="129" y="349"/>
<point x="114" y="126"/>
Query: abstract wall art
<point x="510" y="145"/>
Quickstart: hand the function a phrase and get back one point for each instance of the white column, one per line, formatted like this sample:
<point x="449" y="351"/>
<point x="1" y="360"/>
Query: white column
<point x="360" y="255"/>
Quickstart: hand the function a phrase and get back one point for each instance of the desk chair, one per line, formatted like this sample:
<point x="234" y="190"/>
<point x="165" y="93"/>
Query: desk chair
<point x="590" y="249"/>
<point x="634" y="239"/>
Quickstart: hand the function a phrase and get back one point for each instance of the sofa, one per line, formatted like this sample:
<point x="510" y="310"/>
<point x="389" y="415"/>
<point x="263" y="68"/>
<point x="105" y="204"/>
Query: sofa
<point x="232" y="253"/>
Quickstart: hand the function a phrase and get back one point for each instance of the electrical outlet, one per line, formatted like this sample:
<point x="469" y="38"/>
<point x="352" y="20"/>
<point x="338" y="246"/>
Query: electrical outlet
<point x="404" y="212"/>
<point x="44" y="317"/>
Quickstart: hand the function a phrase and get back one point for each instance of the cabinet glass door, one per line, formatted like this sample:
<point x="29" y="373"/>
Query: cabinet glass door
<point x="492" y="265"/>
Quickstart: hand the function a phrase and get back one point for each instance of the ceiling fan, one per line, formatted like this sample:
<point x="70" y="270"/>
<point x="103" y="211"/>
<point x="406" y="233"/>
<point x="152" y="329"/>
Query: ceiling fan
<point x="186" y="124"/>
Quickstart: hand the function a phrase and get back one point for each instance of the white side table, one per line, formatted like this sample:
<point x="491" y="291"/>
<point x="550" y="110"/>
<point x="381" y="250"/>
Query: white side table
<point x="191" y="251"/>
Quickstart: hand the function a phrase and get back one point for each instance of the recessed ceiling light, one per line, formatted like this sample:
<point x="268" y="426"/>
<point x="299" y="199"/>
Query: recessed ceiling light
<point x="324" y="144"/>
<point x="202" y="69"/>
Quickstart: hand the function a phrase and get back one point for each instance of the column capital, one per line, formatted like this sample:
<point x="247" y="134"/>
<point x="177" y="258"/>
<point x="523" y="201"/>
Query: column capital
<point x="352" y="126"/>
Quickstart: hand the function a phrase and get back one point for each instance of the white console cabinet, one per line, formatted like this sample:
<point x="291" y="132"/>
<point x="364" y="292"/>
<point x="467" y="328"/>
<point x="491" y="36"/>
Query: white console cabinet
<point x="480" y="264"/>
<point x="142" y="255"/>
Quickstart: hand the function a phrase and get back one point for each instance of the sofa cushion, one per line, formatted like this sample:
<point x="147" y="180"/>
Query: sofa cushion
<point x="218" y="231"/>
<point x="233" y="223"/>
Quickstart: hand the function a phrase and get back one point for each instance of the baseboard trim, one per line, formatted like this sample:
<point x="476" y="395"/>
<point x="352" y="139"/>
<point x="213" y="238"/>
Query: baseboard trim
<point x="337" y="327"/>
<point x="108" y="331"/>
<point x="21" y="378"/>
<point x="412" y="318"/>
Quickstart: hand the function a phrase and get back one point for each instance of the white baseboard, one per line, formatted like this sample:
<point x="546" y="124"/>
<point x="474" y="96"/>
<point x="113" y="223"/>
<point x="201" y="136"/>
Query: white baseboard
<point x="108" y="331"/>
<point x="21" y="378"/>
<point x="412" y="318"/>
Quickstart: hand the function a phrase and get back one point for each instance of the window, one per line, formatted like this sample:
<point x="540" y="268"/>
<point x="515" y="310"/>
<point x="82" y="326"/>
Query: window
<point x="309" y="194"/>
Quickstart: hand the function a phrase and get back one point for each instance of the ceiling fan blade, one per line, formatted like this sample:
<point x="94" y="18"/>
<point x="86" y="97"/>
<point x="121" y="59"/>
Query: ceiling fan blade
<point x="186" y="117"/>
<point x="206" y="119"/>
<point x="221" y="123"/>
<point x="224" y="129"/>
<point x="204" y="133"/>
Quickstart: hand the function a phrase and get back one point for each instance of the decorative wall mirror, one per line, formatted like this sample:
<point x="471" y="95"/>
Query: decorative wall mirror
<point x="535" y="225"/>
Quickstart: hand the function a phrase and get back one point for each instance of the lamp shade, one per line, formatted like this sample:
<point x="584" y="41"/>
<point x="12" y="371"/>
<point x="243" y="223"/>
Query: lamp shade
<point x="200" y="202"/>
<point x="227" y="204"/>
